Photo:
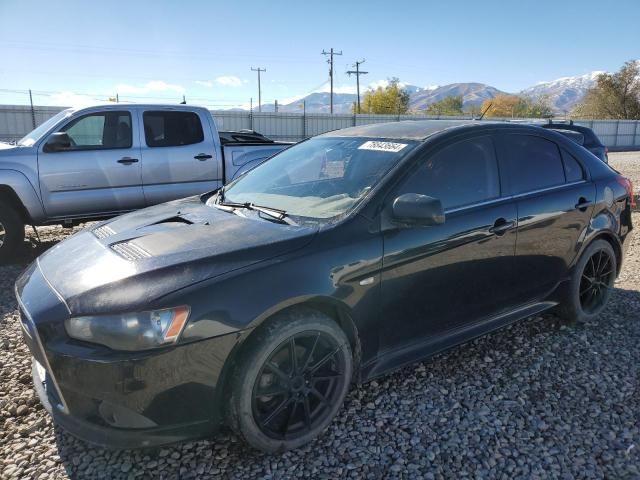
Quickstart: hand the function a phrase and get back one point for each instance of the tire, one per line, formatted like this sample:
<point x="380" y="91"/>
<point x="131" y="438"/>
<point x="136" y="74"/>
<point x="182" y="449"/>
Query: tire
<point x="585" y="299"/>
<point x="290" y="412"/>
<point x="11" y="231"/>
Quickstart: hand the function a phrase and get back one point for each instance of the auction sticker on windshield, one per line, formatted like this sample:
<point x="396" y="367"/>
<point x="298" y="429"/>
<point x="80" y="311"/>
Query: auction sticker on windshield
<point x="382" y="146"/>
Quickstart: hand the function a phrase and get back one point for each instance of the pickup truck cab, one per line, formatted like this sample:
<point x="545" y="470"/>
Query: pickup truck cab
<point x="105" y="160"/>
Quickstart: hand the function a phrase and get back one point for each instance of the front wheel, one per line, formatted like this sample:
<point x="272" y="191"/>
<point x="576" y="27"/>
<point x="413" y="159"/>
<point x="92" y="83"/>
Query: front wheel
<point x="591" y="283"/>
<point x="291" y="381"/>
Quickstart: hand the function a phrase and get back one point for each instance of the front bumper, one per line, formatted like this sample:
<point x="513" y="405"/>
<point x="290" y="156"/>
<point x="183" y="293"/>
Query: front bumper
<point x="117" y="399"/>
<point x="119" y="438"/>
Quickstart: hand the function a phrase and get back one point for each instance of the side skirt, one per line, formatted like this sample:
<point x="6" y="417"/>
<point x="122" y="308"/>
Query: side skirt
<point x="401" y="357"/>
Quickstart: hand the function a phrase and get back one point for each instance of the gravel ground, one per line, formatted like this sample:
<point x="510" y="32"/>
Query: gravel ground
<point x="627" y="163"/>
<point x="535" y="400"/>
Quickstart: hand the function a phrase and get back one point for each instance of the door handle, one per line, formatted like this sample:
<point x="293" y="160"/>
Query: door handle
<point x="501" y="226"/>
<point x="583" y="204"/>
<point x="202" y="157"/>
<point x="128" y="160"/>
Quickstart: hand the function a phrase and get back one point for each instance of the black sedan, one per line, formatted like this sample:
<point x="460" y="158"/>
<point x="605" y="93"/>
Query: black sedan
<point x="340" y="259"/>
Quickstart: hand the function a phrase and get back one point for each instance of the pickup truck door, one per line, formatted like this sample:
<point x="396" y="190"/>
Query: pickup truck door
<point x="179" y="154"/>
<point x="99" y="173"/>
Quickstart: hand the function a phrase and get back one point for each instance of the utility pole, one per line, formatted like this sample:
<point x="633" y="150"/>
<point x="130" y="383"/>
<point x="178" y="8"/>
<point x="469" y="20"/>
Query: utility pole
<point x="259" y="87"/>
<point x="331" y="53"/>
<point x="357" y="73"/>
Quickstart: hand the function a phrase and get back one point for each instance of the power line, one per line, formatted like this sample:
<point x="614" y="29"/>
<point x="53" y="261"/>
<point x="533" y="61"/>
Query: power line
<point x="357" y="73"/>
<point x="331" y="53"/>
<point x="259" y="86"/>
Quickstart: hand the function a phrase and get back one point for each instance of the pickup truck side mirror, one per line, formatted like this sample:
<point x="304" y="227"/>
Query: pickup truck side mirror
<point x="57" y="142"/>
<point x="414" y="208"/>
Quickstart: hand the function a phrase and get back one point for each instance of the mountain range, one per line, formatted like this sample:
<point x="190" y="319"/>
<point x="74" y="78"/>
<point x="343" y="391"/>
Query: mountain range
<point x="563" y="94"/>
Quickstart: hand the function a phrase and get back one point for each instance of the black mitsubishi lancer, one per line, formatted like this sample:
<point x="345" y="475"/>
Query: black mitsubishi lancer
<point x="336" y="261"/>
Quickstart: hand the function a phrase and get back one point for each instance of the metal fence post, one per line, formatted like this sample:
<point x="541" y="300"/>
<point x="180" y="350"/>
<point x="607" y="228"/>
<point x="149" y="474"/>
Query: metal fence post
<point x="615" y="142"/>
<point x="635" y="134"/>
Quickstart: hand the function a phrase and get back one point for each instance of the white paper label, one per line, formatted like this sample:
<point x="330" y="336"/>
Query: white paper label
<point x="382" y="146"/>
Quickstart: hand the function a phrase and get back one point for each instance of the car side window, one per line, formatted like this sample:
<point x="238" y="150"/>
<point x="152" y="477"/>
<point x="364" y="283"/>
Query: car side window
<point x="172" y="129"/>
<point x="532" y="163"/>
<point x="572" y="169"/>
<point x="460" y="174"/>
<point x="102" y="130"/>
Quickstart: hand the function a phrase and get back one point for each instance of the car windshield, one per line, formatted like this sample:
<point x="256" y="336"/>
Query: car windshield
<point x="321" y="178"/>
<point x="32" y="137"/>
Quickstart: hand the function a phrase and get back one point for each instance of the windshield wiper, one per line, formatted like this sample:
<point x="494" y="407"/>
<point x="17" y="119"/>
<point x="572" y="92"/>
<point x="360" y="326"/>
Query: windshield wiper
<point x="275" y="213"/>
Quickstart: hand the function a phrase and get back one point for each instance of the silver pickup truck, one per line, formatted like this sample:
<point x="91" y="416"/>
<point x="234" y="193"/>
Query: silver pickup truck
<point x="101" y="161"/>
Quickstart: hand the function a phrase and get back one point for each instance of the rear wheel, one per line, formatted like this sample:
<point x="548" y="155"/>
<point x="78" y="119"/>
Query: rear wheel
<point x="291" y="381"/>
<point x="591" y="283"/>
<point x="11" y="231"/>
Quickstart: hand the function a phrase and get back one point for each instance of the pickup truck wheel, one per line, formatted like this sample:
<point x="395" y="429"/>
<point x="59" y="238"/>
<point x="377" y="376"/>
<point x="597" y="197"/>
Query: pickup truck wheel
<point x="11" y="231"/>
<point x="290" y="381"/>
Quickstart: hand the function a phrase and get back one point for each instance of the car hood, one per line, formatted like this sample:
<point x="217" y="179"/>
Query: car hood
<point x="7" y="146"/>
<point x="127" y="263"/>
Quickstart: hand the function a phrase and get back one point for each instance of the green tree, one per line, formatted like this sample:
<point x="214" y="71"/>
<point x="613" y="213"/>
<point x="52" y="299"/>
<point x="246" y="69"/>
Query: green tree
<point x="391" y="99"/>
<point x="614" y="96"/>
<point x="447" y="106"/>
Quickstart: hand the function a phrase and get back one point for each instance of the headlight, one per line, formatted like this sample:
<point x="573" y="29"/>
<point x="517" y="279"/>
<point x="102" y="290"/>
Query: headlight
<point x="130" y="331"/>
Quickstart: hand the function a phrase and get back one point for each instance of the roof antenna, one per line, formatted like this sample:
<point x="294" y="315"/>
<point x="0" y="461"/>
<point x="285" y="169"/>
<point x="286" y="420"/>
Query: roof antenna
<point x="485" y="111"/>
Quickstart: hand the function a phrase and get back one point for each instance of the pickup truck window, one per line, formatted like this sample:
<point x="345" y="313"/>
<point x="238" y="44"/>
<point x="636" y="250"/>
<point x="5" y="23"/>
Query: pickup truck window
<point x="172" y="129"/>
<point x="101" y="130"/>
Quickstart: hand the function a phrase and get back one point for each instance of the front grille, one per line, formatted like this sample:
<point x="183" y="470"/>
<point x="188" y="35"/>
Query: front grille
<point x="130" y="251"/>
<point x="103" y="232"/>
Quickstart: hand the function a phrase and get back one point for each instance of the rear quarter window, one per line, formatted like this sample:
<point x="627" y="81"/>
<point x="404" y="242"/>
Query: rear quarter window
<point x="530" y="163"/>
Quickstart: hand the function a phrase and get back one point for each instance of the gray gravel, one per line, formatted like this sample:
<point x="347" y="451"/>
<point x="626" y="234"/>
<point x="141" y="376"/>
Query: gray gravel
<point x="536" y="400"/>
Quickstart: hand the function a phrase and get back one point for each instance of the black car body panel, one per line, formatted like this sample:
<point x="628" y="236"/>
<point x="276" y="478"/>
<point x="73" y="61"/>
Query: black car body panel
<point x="400" y="293"/>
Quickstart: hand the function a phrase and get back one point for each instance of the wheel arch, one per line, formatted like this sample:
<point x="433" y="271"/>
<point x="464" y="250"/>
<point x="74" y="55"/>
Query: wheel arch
<point x="9" y="196"/>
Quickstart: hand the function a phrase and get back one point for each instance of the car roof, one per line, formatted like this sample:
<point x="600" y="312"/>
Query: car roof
<point x="416" y="129"/>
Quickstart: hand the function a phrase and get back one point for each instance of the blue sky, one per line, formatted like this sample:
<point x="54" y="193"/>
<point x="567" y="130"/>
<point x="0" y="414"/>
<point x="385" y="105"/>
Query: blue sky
<point x="160" y="50"/>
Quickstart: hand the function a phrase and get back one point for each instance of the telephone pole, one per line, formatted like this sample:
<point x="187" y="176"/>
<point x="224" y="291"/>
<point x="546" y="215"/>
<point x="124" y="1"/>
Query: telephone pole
<point x="331" y="53"/>
<point x="357" y="73"/>
<point x="259" y="87"/>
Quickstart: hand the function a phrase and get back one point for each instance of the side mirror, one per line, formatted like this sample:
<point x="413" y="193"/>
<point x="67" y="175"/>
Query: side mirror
<point x="418" y="209"/>
<point x="57" y="142"/>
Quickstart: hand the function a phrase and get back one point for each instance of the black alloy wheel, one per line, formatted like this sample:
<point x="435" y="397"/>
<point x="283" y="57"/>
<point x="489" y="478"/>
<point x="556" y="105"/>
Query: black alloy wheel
<point x="591" y="284"/>
<point x="300" y="381"/>
<point x="290" y="380"/>
<point x="597" y="278"/>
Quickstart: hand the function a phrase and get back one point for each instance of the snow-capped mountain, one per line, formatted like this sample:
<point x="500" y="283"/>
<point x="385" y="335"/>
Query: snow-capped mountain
<point x="472" y="94"/>
<point x="563" y="93"/>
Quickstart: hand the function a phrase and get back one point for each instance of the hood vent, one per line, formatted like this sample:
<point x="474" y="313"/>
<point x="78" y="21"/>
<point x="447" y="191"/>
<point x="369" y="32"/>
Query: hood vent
<point x="103" y="232"/>
<point x="130" y="251"/>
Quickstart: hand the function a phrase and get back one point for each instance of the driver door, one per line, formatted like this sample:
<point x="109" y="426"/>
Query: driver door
<point x="100" y="173"/>
<point x="440" y="278"/>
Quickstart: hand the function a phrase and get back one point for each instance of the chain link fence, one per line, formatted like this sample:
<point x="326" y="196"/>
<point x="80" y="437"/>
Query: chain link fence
<point x="18" y="120"/>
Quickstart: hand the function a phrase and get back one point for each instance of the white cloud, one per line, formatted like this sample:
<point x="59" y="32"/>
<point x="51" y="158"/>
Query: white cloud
<point x="205" y="83"/>
<point x="70" y="99"/>
<point x="229" y="81"/>
<point x="150" y="87"/>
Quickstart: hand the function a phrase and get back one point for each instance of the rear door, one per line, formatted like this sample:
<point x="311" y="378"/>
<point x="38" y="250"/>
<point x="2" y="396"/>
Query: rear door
<point x="439" y="278"/>
<point x="555" y="201"/>
<point x="178" y="154"/>
<point x="99" y="173"/>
